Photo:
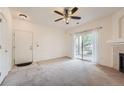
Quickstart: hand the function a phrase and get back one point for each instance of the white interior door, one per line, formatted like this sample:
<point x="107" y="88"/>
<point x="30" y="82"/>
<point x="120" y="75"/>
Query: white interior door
<point x="1" y="52"/>
<point x="3" y="49"/>
<point x="23" y="47"/>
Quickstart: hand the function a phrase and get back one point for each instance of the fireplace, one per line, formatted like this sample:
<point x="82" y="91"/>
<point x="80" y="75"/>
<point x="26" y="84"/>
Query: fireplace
<point x="121" y="62"/>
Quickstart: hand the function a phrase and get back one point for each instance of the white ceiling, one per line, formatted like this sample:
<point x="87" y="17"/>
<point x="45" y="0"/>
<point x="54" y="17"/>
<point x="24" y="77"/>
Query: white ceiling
<point x="46" y="16"/>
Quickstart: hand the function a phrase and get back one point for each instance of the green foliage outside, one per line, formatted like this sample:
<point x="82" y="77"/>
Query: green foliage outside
<point x="87" y="43"/>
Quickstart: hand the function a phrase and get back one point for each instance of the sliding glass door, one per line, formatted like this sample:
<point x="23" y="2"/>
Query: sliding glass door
<point x="85" y="46"/>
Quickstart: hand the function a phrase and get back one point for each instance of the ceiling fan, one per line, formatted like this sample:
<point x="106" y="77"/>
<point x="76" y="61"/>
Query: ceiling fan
<point x="67" y="14"/>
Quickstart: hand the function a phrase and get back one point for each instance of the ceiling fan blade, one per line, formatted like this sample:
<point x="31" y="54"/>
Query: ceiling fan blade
<point x="74" y="10"/>
<point x="58" y="13"/>
<point x="58" y="19"/>
<point x="75" y="17"/>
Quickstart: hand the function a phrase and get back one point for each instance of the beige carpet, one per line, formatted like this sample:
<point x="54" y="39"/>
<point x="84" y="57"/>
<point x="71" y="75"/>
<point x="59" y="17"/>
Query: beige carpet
<point x="63" y="72"/>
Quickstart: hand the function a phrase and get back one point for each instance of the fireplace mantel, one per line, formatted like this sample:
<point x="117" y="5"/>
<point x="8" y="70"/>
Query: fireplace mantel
<point x="116" y="41"/>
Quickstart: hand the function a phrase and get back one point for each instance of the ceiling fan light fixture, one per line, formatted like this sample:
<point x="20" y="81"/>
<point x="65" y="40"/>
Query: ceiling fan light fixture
<point x="67" y="22"/>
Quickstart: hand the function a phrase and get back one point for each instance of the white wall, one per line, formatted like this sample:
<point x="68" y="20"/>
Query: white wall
<point x="117" y="20"/>
<point x="105" y="34"/>
<point x="51" y="41"/>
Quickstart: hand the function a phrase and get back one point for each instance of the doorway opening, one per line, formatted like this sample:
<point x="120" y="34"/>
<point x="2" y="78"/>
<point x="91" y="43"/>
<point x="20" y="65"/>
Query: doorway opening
<point x="86" y="46"/>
